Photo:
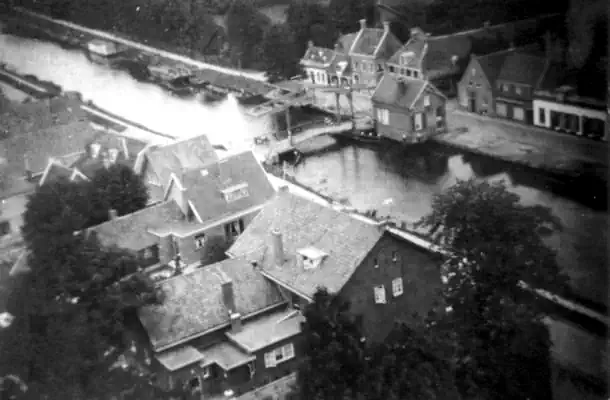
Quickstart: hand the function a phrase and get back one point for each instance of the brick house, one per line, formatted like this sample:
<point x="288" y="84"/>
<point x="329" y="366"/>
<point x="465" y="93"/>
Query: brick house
<point x="407" y="109"/>
<point x="156" y="163"/>
<point x="300" y="246"/>
<point x="202" y="212"/>
<point x="518" y="78"/>
<point x="223" y="330"/>
<point x="561" y="103"/>
<point x="358" y="57"/>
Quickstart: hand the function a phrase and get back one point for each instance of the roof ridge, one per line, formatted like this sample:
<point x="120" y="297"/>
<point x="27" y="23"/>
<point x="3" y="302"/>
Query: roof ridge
<point x="121" y="217"/>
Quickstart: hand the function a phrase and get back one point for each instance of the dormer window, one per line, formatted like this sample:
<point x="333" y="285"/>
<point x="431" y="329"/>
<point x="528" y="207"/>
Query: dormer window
<point x="95" y="149"/>
<point x="236" y="192"/>
<point x="311" y="257"/>
<point x="113" y="154"/>
<point x="404" y="58"/>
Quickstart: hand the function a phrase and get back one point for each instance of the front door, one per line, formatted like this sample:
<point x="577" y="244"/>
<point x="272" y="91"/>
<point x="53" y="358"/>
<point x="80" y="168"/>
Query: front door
<point x="472" y="102"/>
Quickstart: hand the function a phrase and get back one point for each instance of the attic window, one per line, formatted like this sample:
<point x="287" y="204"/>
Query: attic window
<point x="236" y="192"/>
<point x="311" y="257"/>
<point x="113" y="155"/>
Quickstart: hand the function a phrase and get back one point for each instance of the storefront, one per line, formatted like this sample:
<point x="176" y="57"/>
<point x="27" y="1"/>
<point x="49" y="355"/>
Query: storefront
<point x="571" y="119"/>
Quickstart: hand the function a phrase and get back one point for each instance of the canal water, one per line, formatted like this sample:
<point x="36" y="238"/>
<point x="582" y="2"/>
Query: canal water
<point x="394" y="181"/>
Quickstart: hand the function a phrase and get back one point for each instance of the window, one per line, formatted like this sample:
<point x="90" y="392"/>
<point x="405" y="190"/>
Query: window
<point x="371" y="67"/>
<point x="113" y="154"/>
<point x="363" y="66"/>
<point x="194" y="383"/>
<point x="418" y="122"/>
<point x="518" y="90"/>
<point x="403" y="71"/>
<point x="397" y="288"/>
<point x="379" y="294"/>
<point x="501" y="109"/>
<point x="426" y="101"/>
<point x="252" y="369"/>
<point x="392" y="68"/>
<point x="408" y="72"/>
<point x="236" y="192"/>
<point x="5" y="228"/>
<point x="473" y="71"/>
<point x="415" y="74"/>
<point x="206" y="373"/>
<point x="383" y="116"/>
<point x="542" y="116"/>
<point x="234" y="229"/>
<point x="200" y="241"/>
<point x="394" y="256"/>
<point x="375" y="262"/>
<point x="505" y="87"/>
<point x="279" y="355"/>
<point x="150" y="255"/>
<point x="518" y="113"/>
<point x="356" y="65"/>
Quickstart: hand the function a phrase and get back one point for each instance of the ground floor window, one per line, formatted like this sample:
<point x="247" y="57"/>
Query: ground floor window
<point x="383" y="116"/>
<point x="279" y="355"/>
<point x="5" y="228"/>
<point x="418" y="122"/>
<point x="234" y="229"/>
<point x="501" y="109"/>
<point x="518" y="114"/>
<point x="541" y="116"/>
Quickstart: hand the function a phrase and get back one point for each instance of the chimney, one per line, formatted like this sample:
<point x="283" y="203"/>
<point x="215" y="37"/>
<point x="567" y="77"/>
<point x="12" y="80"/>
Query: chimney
<point x="112" y="214"/>
<point x="235" y="322"/>
<point x="362" y="24"/>
<point x="228" y="297"/>
<point x="337" y="47"/>
<point x="310" y="44"/>
<point x="277" y="247"/>
<point x="386" y="26"/>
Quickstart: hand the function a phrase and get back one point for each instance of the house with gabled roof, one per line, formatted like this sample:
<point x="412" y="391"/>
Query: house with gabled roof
<point x="222" y="330"/>
<point x="156" y="163"/>
<point x="201" y="213"/>
<point x="317" y="63"/>
<point x="408" y="110"/>
<point x="301" y="246"/>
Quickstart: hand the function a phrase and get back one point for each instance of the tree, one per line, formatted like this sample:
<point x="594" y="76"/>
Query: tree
<point x="278" y="53"/>
<point x="334" y="364"/>
<point x="117" y="188"/>
<point x="495" y="243"/>
<point x="245" y="28"/>
<point x="310" y="21"/>
<point x="345" y="14"/>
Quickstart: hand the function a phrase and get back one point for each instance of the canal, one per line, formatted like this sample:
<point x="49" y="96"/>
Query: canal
<point x="394" y="181"/>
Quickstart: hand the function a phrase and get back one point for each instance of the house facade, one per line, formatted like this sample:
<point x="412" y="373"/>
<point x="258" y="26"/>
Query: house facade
<point x="520" y="75"/>
<point x="559" y="105"/>
<point x="408" y="110"/>
<point x="301" y="246"/>
<point x="202" y="212"/>
<point x="223" y="330"/>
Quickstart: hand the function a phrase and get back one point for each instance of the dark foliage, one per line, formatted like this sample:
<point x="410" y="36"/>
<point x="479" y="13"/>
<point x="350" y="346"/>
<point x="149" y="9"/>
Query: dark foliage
<point x="245" y="30"/>
<point x="278" y="53"/>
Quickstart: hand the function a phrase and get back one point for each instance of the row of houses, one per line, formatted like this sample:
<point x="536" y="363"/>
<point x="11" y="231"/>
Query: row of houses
<point x="501" y="70"/>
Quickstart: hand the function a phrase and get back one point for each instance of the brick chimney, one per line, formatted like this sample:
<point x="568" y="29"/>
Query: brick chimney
<point x="277" y="247"/>
<point x="236" y="323"/>
<point x="362" y="24"/>
<point x="112" y="214"/>
<point x="386" y="26"/>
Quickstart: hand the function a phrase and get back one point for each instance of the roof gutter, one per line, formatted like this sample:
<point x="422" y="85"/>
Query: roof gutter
<point x="285" y="286"/>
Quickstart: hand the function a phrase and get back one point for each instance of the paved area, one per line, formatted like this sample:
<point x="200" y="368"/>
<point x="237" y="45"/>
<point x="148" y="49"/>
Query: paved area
<point x="362" y="102"/>
<point x="533" y="146"/>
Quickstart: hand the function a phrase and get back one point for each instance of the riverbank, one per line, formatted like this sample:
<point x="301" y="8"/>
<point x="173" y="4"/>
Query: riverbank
<point x="558" y="155"/>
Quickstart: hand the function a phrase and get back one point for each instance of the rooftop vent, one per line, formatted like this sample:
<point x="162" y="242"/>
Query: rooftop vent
<point x="310" y="257"/>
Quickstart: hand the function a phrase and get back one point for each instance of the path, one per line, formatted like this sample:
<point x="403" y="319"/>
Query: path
<point x="286" y="145"/>
<point x="259" y="76"/>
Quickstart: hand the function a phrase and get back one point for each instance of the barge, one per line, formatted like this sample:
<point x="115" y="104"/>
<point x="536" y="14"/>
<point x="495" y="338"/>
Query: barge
<point x="104" y="52"/>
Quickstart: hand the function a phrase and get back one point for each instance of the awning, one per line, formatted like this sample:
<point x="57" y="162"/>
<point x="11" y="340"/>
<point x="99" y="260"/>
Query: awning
<point x="266" y="331"/>
<point x="226" y="355"/>
<point x="179" y="357"/>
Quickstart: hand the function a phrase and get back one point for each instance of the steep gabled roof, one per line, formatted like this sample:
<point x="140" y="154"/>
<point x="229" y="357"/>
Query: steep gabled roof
<point x="345" y="240"/>
<point x="491" y="64"/>
<point x="522" y="68"/>
<point x="205" y="187"/>
<point x="194" y="302"/>
<point x="184" y="155"/>
<point x="374" y="42"/>
<point x="55" y="171"/>
<point x="318" y="56"/>
<point x="398" y="92"/>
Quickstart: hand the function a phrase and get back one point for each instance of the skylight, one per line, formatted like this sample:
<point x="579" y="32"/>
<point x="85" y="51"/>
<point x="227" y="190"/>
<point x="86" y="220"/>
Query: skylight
<point x="236" y="192"/>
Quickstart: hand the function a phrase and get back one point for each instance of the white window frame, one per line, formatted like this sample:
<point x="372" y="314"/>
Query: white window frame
<point x="285" y="353"/>
<point x="199" y="241"/>
<point x="419" y="122"/>
<point x="427" y="100"/>
<point x="397" y="287"/>
<point x="379" y="294"/>
<point x="383" y="116"/>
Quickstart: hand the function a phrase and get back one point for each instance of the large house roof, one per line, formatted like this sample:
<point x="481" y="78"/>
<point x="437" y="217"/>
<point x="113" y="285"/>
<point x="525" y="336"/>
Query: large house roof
<point x="207" y="186"/>
<point x="194" y="302"/>
<point x="318" y="56"/>
<point x="398" y="92"/>
<point x="304" y="224"/>
<point x="374" y="42"/>
<point x="522" y="68"/>
<point x="185" y="155"/>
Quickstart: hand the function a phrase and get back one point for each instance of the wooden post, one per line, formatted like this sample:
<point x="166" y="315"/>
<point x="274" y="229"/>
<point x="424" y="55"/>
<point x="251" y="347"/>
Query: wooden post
<point x="288" y="125"/>
<point x="350" y="98"/>
<point x="337" y="94"/>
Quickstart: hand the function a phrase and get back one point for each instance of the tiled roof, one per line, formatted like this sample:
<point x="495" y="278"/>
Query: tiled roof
<point x="306" y="224"/>
<point x="131" y="231"/>
<point x="318" y="56"/>
<point x="55" y="171"/>
<point x="37" y="147"/>
<point x="204" y="186"/>
<point x="522" y="68"/>
<point x="414" y="46"/>
<point x="42" y="114"/>
<point x="398" y="92"/>
<point x="179" y="357"/>
<point x="265" y="331"/>
<point x="346" y="41"/>
<point x="194" y="302"/>
<point x="367" y="41"/>
<point x="226" y="355"/>
<point x="340" y="63"/>
<point x="491" y="65"/>
<point x="184" y="155"/>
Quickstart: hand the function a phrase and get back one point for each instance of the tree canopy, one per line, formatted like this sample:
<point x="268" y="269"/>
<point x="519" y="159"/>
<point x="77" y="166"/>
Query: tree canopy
<point x="278" y="53"/>
<point x="73" y="311"/>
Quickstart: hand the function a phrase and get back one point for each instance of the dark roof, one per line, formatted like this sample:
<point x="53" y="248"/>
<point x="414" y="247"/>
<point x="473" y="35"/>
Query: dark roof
<point x="131" y="231"/>
<point x="414" y="46"/>
<point x="341" y="63"/>
<point x="42" y="114"/>
<point x="491" y="64"/>
<point x="305" y="224"/>
<point x="318" y="56"/>
<point x="267" y="330"/>
<point x="585" y="84"/>
<point x="522" y="68"/>
<point x="177" y="157"/>
<point x="398" y="92"/>
<point x="194" y="302"/>
<point x="346" y="41"/>
<point x="55" y="171"/>
<point x="367" y="41"/>
<point x="204" y="186"/>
